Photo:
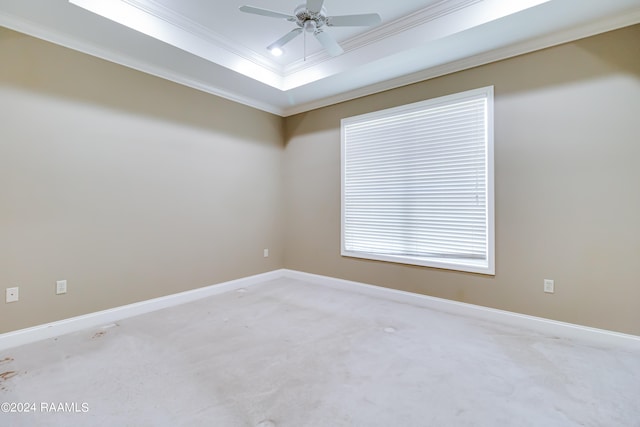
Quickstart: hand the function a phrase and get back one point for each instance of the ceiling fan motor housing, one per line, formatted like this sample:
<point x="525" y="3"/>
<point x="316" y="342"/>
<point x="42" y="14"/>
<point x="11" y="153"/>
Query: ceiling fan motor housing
<point x="310" y="21"/>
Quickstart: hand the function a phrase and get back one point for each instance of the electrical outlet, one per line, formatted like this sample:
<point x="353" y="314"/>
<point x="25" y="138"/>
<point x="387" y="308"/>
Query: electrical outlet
<point x="549" y="286"/>
<point x="12" y="294"/>
<point x="61" y="287"/>
<point x="266" y="253"/>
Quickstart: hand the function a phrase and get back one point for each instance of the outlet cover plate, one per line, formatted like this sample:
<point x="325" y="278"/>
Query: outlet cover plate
<point x="13" y="294"/>
<point x="549" y="286"/>
<point x="61" y="287"/>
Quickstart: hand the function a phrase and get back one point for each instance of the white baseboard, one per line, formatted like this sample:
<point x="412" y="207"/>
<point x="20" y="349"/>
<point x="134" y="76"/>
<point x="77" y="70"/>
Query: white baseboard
<point x="553" y="328"/>
<point x="104" y="317"/>
<point x="593" y="336"/>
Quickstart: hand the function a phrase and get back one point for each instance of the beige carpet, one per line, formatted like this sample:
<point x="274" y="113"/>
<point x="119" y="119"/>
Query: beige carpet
<point x="290" y="353"/>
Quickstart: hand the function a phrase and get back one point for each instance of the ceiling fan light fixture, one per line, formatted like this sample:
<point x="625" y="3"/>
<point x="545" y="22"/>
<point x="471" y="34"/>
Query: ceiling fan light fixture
<point x="311" y="17"/>
<point x="310" y="25"/>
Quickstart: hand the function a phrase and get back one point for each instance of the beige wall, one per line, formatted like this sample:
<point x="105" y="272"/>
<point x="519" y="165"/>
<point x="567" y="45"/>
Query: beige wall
<point x="567" y="171"/>
<point x="128" y="186"/>
<point x="132" y="187"/>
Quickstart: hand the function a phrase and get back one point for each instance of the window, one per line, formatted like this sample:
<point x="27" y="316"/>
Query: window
<point x="417" y="183"/>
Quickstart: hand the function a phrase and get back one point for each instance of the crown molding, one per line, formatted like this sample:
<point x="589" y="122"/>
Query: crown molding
<point x="193" y="39"/>
<point x="539" y="43"/>
<point x="282" y="106"/>
<point x="205" y="34"/>
<point x="421" y="17"/>
<point x="27" y="27"/>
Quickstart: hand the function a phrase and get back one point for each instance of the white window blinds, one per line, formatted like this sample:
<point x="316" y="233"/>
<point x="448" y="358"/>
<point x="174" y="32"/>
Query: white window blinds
<point x="417" y="183"/>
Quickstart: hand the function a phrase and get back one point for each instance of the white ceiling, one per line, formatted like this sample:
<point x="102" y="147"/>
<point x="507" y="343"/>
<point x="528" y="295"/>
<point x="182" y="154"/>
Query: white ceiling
<point x="212" y="46"/>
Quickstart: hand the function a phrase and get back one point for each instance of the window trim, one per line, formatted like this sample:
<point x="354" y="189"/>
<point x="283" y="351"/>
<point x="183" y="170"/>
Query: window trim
<point x="466" y="265"/>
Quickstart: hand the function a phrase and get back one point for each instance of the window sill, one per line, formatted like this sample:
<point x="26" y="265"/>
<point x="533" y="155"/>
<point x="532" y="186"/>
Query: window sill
<point x="455" y="264"/>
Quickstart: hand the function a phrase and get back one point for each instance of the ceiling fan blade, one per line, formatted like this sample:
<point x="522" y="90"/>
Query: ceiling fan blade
<point x="285" y="39"/>
<point x="363" y="20"/>
<point x="314" y="5"/>
<point x="265" y="12"/>
<point x="328" y="43"/>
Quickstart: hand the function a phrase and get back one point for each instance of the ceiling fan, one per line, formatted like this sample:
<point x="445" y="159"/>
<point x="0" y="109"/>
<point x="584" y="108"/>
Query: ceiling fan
<point x="311" y="18"/>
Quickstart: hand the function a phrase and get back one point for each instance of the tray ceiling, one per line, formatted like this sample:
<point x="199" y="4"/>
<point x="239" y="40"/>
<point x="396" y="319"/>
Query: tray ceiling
<point x="214" y="47"/>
